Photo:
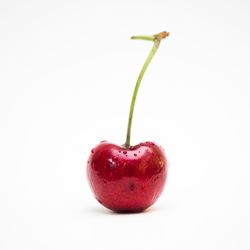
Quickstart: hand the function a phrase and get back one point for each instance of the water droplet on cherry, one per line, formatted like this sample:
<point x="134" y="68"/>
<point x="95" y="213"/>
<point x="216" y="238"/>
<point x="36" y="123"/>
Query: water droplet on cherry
<point x="112" y="164"/>
<point x="135" y="155"/>
<point x="92" y="151"/>
<point x="124" y="152"/>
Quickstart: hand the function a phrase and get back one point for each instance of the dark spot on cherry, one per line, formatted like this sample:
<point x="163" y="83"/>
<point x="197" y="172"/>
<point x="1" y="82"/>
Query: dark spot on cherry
<point x="132" y="186"/>
<point x="156" y="178"/>
<point x="135" y="155"/>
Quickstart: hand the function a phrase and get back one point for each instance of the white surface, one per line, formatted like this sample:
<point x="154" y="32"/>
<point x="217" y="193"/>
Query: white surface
<point x="67" y="71"/>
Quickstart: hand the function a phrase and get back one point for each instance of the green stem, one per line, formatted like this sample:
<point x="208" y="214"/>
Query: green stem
<point x="156" y="39"/>
<point x="147" y="38"/>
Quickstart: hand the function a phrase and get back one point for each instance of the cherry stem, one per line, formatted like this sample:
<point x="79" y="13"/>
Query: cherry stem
<point x="157" y="40"/>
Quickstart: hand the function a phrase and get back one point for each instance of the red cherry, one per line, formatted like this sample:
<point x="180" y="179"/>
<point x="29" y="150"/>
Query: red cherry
<point x="129" y="178"/>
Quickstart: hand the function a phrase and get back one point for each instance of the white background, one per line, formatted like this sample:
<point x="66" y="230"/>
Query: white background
<point x="67" y="71"/>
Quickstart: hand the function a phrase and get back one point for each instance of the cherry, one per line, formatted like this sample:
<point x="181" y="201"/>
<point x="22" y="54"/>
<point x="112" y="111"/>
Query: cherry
<point x="129" y="178"/>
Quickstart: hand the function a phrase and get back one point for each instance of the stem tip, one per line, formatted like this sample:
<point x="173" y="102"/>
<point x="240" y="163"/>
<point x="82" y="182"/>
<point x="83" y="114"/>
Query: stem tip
<point x="161" y="35"/>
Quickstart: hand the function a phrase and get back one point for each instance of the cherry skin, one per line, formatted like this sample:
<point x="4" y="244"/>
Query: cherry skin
<point x="127" y="179"/>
